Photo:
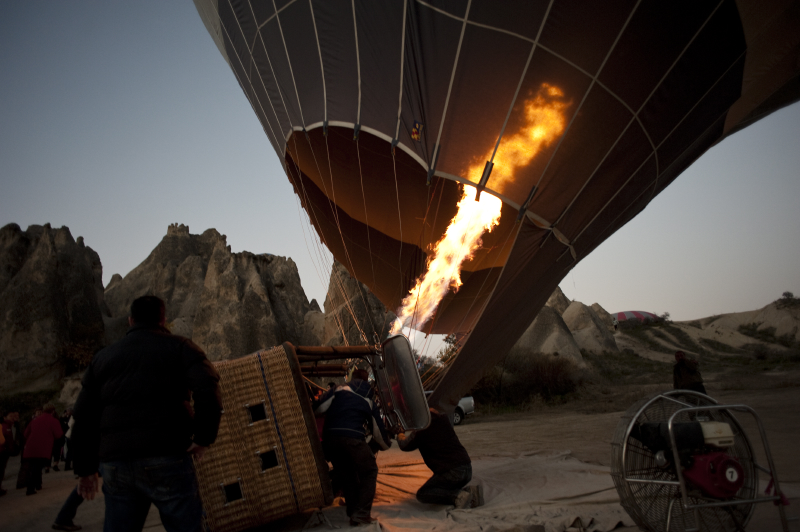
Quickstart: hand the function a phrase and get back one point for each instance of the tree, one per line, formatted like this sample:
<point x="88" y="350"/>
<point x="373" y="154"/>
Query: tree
<point x="788" y="295"/>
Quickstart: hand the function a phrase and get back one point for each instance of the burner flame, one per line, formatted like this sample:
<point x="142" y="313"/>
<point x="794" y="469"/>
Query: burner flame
<point x="545" y="122"/>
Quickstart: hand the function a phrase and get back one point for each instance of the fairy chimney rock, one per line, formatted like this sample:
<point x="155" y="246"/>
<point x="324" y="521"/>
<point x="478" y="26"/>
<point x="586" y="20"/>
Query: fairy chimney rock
<point x="588" y="329"/>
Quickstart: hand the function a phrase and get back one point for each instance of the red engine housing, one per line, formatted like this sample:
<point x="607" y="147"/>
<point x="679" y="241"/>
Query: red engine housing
<point x="717" y="475"/>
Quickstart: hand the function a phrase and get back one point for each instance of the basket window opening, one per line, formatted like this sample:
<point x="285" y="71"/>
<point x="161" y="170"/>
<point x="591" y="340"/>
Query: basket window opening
<point x="258" y="412"/>
<point x="233" y="491"/>
<point x="269" y="460"/>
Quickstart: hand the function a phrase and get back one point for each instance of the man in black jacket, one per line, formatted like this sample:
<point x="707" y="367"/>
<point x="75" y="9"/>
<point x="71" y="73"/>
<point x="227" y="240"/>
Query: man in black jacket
<point x="446" y="457"/>
<point x="135" y="424"/>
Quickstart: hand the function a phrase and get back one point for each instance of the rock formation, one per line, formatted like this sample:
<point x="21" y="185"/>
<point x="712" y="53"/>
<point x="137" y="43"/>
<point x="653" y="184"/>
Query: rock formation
<point x="548" y="334"/>
<point x="588" y="329"/>
<point x="783" y="318"/>
<point x="230" y="304"/>
<point x="51" y="300"/>
<point x="606" y="318"/>
<point x="350" y="310"/>
<point x="558" y="301"/>
<point x="175" y="271"/>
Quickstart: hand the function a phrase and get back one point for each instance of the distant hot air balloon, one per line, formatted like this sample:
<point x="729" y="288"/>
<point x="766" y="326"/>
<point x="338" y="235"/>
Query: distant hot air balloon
<point x="574" y="114"/>
<point x="634" y="315"/>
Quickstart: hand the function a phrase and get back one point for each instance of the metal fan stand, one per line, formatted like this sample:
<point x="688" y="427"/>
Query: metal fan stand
<point x="625" y="471"/>
<point x="771" y="471"/>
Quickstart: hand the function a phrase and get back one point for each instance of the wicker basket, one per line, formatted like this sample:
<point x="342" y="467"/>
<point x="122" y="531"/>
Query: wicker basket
<point x="267" y="461"/>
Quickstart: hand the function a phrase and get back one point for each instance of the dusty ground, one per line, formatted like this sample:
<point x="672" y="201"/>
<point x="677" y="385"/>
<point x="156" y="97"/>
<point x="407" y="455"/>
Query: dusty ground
<point x="586" y="435"/>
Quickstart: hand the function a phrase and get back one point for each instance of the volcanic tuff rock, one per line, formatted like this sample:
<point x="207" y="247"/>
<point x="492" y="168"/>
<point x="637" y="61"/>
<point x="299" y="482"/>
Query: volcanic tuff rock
<point x="230" y="304"/>
<point x="350" y="309"/>
<point x="784" y="319"/>
<point x="558" y="301"/>
<point x="51" y="300"/>
<point x="607" y="319"/>
<point x="548" y="334"/>
<point x="588" y="329"/>
<point x="175" y="271"/>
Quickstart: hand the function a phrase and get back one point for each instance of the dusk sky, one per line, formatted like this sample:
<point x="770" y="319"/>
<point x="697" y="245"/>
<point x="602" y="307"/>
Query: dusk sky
<point x="119" y="118"/>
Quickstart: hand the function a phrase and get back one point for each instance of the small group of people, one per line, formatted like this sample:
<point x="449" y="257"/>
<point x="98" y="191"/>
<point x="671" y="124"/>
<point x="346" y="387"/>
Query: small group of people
<point x="151" y="401"/>
<point x="348" y="409"/>
<point x="41" y="444"/>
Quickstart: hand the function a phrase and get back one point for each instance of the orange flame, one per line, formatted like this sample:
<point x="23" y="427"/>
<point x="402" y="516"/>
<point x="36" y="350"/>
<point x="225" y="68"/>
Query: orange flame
<point x="545" y="122"/>
<point x="460" y="241"/>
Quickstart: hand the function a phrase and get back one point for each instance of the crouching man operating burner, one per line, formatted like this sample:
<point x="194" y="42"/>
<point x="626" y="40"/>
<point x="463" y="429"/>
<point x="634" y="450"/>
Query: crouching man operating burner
<point x="446" y="457"/>
<point x="348" y="409"/>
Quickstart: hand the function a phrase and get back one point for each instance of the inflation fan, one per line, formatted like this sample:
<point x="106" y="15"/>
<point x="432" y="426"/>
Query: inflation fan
<point x="682" y="463"/>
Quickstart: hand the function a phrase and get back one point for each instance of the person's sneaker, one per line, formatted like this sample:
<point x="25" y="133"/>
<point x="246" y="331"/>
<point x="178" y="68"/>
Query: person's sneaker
<point x="477" y="495"/>
<point x="30" y="493"/>
<point x="463" y="500"/>
<point x="3" y="492"/>
<point x="362" y="521"/>
<point x="55" y="468"/>
<point x="470" y="497"/>
<point x="72" y="527"/>
<point x="46" y="469"/>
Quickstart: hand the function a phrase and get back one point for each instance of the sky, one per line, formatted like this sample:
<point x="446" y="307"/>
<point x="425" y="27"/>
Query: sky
<point x="120" y="118"/>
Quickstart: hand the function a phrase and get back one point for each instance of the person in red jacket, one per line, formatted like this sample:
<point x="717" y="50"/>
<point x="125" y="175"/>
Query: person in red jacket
<point x="39" y="437"/>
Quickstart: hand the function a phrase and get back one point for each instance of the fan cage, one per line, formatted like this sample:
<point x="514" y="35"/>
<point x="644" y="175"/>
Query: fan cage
<point x="651" y="494"/>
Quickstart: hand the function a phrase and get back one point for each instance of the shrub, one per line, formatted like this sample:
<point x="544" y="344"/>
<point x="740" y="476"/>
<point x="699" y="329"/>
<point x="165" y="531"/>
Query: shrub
<point x="520" y="379"/>
<point x="767" y="334"/>
<point x="788" y="300"/>
<point x="641" y="333"/>
<point x="719" y="346"/>
<point x="627" y="367"/>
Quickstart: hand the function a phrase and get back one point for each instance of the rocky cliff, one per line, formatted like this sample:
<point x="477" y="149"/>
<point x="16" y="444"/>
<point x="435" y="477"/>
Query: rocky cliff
<point x="353" y="314"/>
<point x="548" y="334"/>
<point x="51" y="300"/>
<point x="230" y="304"/>
<point x="588" y="329"/>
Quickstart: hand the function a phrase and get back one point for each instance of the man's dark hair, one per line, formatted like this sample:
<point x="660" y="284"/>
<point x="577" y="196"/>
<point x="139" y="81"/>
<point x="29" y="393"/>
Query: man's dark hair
<point x="148" y="310"/>
<point x="361" y="374"/>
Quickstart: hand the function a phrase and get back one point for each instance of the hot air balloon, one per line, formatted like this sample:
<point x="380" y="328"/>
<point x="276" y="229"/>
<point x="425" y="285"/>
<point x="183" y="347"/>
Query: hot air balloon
<point x="639" y="315"/>
<point x="575" y="115"/>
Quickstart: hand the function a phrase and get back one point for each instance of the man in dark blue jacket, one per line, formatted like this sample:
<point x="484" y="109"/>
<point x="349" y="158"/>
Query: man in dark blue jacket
<point x="134" y="422"/>
<point x="349" y="410"/>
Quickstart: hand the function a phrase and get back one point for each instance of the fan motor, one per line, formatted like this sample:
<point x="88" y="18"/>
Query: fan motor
<point x="716" y="474"/>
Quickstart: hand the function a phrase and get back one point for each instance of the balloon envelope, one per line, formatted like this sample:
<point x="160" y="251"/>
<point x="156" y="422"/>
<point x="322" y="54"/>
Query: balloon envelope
<point x="635" y="315"/>
<point x="575" y="114"/>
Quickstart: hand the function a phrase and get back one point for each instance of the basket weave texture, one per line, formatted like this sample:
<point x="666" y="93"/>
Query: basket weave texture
<point x="291" y="482"/>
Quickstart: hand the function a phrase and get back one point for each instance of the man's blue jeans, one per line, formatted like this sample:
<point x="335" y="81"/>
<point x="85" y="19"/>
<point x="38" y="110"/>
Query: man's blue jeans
<point x="169" y="482"/>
